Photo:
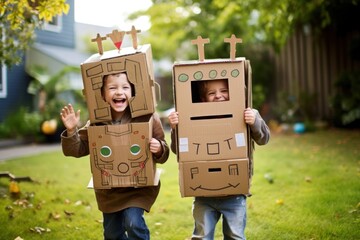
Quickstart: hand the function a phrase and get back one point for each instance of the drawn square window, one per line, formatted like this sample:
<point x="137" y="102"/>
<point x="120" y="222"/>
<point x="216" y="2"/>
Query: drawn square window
<point x="198" y="87"/>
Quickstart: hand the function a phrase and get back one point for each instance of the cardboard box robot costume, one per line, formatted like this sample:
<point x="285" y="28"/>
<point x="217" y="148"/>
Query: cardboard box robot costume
<point x="213" y="142"/>
<point x="107" y="143"/>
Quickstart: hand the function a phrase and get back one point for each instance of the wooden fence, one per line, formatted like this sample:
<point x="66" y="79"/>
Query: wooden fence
<point x="311" y="64"/>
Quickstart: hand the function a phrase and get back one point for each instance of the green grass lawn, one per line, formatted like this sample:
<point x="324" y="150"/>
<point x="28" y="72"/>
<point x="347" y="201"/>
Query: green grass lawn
<point x="315" y="194"/>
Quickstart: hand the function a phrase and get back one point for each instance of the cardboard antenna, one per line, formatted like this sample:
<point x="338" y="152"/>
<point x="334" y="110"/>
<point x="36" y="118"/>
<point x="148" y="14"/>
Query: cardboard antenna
<point x="99" y="40"/>
<point x="233" y="41"/>
<point x="134" y="33"/>
<point x="117" y="38"/>
<point x="200" y="42"/>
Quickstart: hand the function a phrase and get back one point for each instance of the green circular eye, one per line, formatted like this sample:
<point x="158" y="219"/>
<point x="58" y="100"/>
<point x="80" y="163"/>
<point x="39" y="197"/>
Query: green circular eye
<point x="198" y="75"/>
<point x="235" y="73"/>
<point x="105" y="151"/>
<point x="183" y="77"/>
<point x="135" y="149"/>
<point x="212" y="74"/>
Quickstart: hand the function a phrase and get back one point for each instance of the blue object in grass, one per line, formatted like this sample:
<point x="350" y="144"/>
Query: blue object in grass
<point x="299" y="127"/>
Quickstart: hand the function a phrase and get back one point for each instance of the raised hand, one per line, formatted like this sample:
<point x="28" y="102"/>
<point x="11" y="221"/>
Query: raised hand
<point x="70" y="118"/>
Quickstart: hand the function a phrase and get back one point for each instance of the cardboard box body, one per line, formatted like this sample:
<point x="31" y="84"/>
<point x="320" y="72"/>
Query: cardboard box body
<point x="212" y="135"/>
<point x="120" y="155"/>
<point x="210" y="130"/>
<point x="139" y="68"/>
<point x="214" y="178"/>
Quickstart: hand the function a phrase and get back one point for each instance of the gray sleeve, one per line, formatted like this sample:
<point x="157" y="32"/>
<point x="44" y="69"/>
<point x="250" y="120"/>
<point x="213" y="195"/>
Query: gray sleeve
<point x="260" y="132"/>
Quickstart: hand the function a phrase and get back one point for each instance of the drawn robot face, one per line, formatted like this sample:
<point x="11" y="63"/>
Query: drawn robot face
<point x="125" y="160"/>
<point x="215" y="177"/>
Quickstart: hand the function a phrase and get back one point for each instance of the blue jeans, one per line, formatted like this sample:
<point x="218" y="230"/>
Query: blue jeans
<point x="126" y="224"/>
<point x="207" y="212"/>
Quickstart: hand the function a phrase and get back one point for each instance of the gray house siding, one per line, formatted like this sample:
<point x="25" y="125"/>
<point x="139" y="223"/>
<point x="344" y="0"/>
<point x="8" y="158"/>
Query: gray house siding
<point x="17" y="80"/>
<point x="64" y="38"/>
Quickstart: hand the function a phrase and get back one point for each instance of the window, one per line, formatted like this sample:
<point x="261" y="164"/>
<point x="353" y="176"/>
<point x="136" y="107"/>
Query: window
<point x="3" y="88"/>
<point x="54" y="25"/>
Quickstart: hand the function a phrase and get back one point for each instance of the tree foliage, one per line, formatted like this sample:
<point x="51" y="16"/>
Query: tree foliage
<point x="19" y="19"/>
<point x="175" y="23"/>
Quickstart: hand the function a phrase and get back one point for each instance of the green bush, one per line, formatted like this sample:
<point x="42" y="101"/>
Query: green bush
<point x="22" y="124"/>
<point x="345" y="102"/>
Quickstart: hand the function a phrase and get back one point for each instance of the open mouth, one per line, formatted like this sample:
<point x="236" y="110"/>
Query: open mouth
<point x="119" y="101"/>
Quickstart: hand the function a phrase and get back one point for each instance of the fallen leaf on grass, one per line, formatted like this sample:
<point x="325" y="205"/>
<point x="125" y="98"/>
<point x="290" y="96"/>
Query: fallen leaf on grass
<point x="9" y="208"/>
<point x="68" y="213"/>
<point x="352" y="211"/>
<point x="22" y="203"/>
<point x="269" y="178"/>
<point x="355" y="210"/>
<point x="308" y="179"/>
<point x="99" y="221"/>
<point x="279" y="202"/>
<point x="40" y="230"/>
<point x="29" y="195"/>
<point x="55" y="216"/>
<point x="12" y="214"/>
<point x="18" y="238"/>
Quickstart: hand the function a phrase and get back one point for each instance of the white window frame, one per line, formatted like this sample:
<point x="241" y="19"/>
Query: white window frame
<point x="54" y="27"/>
<point x="3" y="77"/>
<point x="3" y="81"/>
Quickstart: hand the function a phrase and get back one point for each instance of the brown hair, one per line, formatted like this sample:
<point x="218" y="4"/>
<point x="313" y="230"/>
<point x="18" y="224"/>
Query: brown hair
<point x="203" y="88"/>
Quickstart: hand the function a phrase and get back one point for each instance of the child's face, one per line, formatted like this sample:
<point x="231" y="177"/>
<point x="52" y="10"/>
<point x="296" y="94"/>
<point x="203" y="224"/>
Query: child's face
<point x="117" y="91"/>
<point x="216" y="91"/>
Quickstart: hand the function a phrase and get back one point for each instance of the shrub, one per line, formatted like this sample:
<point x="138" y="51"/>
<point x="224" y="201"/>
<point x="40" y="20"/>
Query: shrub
<point x="345" y="102"/>
<point x="22" y="124"/>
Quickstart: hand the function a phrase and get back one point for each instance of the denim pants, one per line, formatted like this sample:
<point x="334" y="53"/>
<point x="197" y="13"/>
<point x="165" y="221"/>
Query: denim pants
<point x="208" y="210"/>
<point x="125" y="224"/>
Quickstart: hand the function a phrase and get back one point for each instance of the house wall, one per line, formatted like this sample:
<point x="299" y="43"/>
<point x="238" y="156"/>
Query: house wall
<point x="65" y="37"/>
<point x="17" y="80"/>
